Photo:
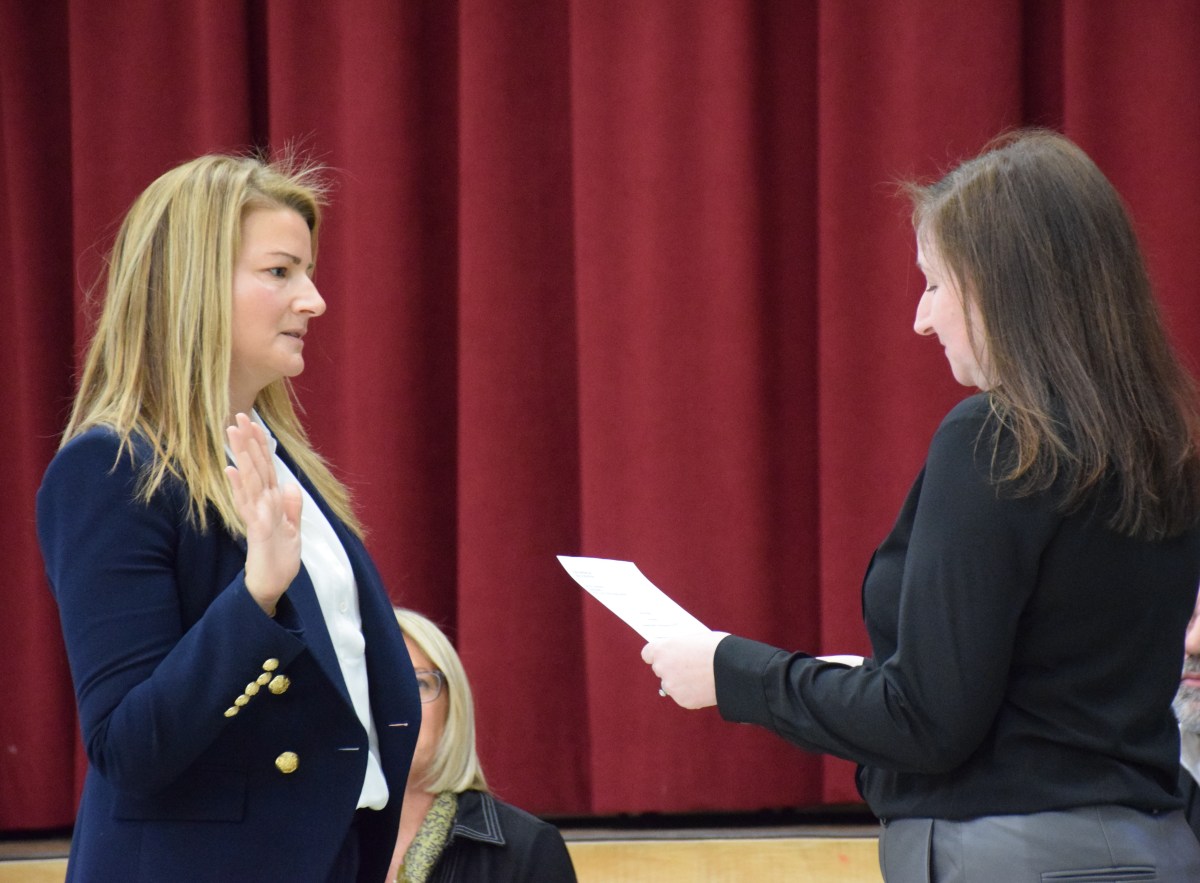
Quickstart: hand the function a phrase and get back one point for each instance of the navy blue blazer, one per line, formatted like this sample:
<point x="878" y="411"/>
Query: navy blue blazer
<point x="222" y="743"/>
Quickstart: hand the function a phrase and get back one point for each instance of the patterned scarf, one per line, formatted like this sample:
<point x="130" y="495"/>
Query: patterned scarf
<point x="426" y="848"/>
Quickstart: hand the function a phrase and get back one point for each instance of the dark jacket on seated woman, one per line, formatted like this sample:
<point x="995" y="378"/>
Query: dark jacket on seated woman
<point x="474" y="836"/>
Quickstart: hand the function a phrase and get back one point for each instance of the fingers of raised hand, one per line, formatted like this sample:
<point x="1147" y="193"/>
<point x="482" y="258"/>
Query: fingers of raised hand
<point x="292" y="501"/>
<point x="251" y="454"/>
<point x="265" y="506"/>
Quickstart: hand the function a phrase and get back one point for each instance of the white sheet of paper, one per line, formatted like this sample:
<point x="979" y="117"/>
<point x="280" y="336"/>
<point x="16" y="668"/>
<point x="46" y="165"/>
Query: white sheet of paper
<point x="624" y="590"/>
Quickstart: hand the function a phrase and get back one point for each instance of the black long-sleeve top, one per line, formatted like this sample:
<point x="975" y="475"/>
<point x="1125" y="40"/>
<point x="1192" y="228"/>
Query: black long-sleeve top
<point x="1023" y="659"/>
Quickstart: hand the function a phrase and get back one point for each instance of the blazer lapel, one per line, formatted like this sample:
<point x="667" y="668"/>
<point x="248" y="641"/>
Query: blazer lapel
<point x="304" y="598"/>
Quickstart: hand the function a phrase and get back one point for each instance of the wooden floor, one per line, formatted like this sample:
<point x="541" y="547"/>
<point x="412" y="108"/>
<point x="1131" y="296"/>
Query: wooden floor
<point x="848" y="856"/>
<point x="37" y="860"/>
<point x="818" y="853"/>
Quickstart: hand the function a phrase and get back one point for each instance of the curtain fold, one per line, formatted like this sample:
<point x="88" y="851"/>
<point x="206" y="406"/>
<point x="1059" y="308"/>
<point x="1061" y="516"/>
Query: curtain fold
<point x="37" y="717"/>
<point x="694" y="369"/>
<point x="1132" y="100"/>
<point x="605" y="277"/>
<point x="517" y="445"/>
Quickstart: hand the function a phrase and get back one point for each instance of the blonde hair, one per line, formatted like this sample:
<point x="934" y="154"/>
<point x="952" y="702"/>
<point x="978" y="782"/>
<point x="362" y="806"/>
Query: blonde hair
<point x="455" y="764"/>
<point x="158" y="365"/>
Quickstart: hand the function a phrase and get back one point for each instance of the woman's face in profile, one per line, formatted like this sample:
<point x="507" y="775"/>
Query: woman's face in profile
<point x="274" y="299"/>
<point x="940" y="312"/>
<point x="433" y="718"/>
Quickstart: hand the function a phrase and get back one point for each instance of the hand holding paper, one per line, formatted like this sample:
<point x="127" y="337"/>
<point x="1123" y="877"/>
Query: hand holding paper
<point x="684" y="667"/>
<point x="680" y="648"/>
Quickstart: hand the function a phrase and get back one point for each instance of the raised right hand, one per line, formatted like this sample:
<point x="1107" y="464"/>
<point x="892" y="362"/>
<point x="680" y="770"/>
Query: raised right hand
<point x="270" y="513"/>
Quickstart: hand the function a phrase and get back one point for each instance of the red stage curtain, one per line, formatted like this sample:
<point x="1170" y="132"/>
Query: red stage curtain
<point x="605" y="277"/>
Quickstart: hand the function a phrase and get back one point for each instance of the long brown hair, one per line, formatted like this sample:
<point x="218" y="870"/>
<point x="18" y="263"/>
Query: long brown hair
<point x="1083" y="373"/>
<point x="158" y="364"/>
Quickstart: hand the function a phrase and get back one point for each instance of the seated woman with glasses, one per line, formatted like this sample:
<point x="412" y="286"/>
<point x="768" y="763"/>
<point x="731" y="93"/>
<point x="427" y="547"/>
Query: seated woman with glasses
<point x="451" y="826"/>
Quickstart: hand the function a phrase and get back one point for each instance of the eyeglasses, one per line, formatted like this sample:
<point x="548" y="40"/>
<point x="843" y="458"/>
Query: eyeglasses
<point x="429" y="683"/>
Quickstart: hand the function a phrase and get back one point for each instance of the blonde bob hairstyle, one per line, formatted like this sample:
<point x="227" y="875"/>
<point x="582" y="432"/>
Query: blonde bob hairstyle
<point x="158" y="365"/>
<point x="455" y="765"/>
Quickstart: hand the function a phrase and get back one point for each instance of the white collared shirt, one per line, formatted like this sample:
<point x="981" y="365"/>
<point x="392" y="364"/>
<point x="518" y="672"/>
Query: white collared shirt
<point x="328" y="567"/>
<point x="1189" y="752"/>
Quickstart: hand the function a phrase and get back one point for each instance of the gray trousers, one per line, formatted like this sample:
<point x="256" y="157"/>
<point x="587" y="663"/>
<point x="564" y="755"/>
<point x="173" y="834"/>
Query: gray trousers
<point x="1113" y="844"/>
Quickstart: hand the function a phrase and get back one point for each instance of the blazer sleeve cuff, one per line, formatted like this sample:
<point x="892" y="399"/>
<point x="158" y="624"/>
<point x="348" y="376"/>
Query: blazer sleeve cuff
<point x="285" y="616"/>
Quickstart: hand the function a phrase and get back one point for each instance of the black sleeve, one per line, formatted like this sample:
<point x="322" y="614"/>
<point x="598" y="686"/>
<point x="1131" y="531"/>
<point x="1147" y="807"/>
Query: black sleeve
<point x="970" y="565"/>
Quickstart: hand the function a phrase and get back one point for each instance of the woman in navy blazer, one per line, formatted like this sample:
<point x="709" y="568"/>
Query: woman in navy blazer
<point x="246" y="699"/>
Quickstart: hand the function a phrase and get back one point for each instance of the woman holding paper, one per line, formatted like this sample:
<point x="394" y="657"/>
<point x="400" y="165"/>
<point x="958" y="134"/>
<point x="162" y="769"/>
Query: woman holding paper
<point x="1025" y="612"/>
